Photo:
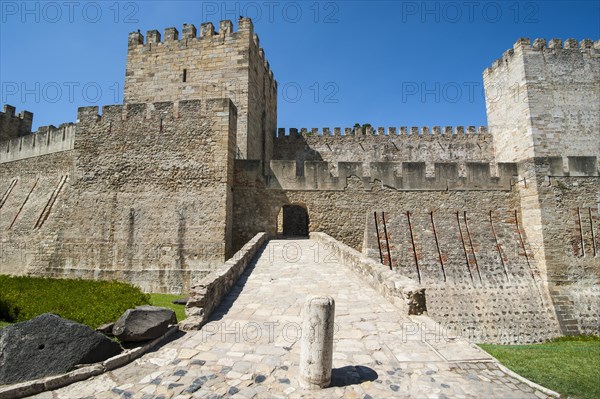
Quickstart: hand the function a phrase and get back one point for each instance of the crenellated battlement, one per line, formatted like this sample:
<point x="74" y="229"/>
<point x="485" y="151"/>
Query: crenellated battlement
<point x="385" y="134"/>
<point x="47" y="140"/>
<point x="158" y="111"/>
<point x="401" y="176"/>
<point x="189" y="32"/>
<point x="208" y="37"/>
<point x="10" y="111"/>
<point x="261" y="54"/>
<point x="397" y="144"/>
<point x="14" y="125"/>
<point x="524" y="44"/>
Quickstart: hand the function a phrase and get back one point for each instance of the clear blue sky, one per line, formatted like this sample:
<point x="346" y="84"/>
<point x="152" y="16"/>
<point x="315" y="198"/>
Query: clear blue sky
<point x="388" y="63"/>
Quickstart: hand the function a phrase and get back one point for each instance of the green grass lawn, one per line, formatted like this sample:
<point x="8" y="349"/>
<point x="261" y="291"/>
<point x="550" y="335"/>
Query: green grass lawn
<point x="86" y="301"/>
<point x="164" y="300"/>
<point x="568" y="365"/>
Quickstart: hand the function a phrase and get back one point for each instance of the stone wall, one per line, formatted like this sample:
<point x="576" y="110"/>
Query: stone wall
<point x="476" y="266"/>
<point x="31" y="209"/>
<point x="559" y="218"/>
<point x="500" y="314"/>
<point x="341" y="212"/>
<point x="542" y="110"/>
<point x="507" y="107"/>
<point x="147" y="200"/>
<point x="214" y="64"/>
<point x="346" y="169"/>
<point x="403" y="144"/>
<point x="571" y="242"/>
<point x="11" y="125"/>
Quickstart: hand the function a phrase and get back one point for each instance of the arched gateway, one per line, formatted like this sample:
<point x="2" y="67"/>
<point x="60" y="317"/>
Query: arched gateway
<point x="294" y="221"/>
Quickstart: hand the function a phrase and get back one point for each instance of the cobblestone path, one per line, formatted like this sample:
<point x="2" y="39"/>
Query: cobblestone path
<point x="251" y="347"/>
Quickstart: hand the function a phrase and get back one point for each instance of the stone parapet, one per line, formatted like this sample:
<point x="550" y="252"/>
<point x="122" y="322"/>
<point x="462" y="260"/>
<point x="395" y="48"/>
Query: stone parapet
<point x="211" y="290"/>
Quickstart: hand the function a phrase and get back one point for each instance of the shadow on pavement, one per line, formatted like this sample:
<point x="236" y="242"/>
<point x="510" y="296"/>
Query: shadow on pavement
<point x="351" y="375"/>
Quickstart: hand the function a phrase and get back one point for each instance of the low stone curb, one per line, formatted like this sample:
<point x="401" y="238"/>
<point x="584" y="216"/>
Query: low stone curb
<point x="35" y="387"/>
<point x="524" y="380"/>
<point x="511" y="373"/>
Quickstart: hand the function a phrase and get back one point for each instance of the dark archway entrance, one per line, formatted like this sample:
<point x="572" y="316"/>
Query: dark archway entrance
<point x="295" y="221"/>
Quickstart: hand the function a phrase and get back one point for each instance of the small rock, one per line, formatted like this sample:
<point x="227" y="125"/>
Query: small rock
<point x="180" y="301"/>
<point x="106" y="329"/>
<point x="143" y="323"/>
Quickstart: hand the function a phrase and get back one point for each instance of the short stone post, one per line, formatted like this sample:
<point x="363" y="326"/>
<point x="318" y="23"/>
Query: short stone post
<point x="316" y="351"/>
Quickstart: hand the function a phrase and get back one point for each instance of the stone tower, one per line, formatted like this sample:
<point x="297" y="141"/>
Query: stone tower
<point x="542" y="105"/>
<point x="542" y="100"/>
<point x="223" y="64"/>
<point x="12" y="125"/>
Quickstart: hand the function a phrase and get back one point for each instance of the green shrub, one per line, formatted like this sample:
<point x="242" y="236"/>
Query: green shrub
<point x="7" y="310"/>
<point x="85" y="301"/>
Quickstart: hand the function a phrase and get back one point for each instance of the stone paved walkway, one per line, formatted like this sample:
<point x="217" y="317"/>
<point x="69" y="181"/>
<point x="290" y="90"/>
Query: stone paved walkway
<point x="251" y="347"/>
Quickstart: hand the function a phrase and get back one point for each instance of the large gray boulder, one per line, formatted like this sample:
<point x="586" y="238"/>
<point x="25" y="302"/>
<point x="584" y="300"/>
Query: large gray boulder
<point x="49" y="345"/>
<point x="143" y="323"/>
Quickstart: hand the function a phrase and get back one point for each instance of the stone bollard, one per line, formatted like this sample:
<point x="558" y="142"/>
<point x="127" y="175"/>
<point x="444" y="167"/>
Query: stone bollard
<point x="316" y="351"/>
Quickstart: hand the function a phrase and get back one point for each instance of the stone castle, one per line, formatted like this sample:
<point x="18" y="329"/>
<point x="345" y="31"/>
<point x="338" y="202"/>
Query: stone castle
<point x="500" y="225"/>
